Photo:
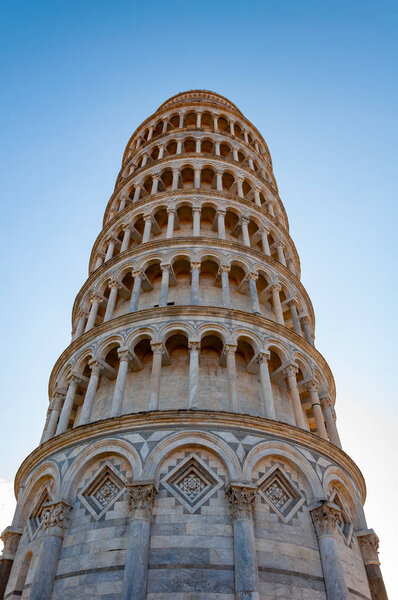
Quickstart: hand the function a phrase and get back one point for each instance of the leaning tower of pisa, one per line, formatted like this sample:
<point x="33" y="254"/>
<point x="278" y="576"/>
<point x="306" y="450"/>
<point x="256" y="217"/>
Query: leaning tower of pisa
<point x="190" y="450"/>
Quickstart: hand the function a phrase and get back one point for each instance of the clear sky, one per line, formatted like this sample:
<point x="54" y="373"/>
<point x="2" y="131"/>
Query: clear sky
<point x="318" y="79"/>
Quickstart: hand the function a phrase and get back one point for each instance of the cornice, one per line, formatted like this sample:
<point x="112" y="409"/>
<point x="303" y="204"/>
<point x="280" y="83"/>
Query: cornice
<point x="179" y="159"/>
<point x="186" y="418"/>
<point x="191" y="243"/>
<point x="202" y="95"/>
<point x="189" y="311"/>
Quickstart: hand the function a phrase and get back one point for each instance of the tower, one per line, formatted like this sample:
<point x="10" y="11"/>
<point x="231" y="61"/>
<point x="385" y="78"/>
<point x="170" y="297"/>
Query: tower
<point x="190" y="450"/>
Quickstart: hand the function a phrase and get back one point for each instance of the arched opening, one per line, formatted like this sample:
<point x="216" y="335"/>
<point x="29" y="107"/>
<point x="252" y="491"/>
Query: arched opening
<point x="189" y="146"/>
<point x="106" y="384"/>
<point x="225" y="150"/>
<point x="238" y="288"/>
<point x="180" y="293"/>
<point x="207" y="178"/>
<point x="171" y="148"/>
<point x="187" y="178"/>
<point x="174" y="121"/>
<point x="136" y="397"/>
<point x="223" y="124"/>
<point x="190" y="119"/>
<point x="238" y="132"/>
<point x="228" y="182"/>
<point x="207" y="147"/>
<point x="149" y="297"/>
<point x="209" y="294"/>
<point x="207" y="220"/>
<point x="207" y="120"/>
<point x="247" y="377"/>
<point x="184" y="220"/>
<point x="213" y="378"/>
<point x="174" y="380"/>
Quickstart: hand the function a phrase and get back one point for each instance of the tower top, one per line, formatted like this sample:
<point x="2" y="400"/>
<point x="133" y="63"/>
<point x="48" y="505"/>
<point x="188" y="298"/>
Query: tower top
<point x="199" y="96"/>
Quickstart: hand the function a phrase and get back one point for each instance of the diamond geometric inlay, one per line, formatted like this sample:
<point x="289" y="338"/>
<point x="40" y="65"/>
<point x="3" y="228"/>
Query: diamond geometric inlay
<point x="344" y="524"/>
<point x="36" y="517"/>
<point x="280" y="493"/>
<point x="192" y="482"/>
<point x="102" y="491"/>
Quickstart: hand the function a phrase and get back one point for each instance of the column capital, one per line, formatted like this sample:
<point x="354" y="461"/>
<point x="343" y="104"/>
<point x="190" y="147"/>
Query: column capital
<point x="124" y="195"/>
<point x="94" y="297"/>
<point x="244" y="218"/>
<point x="176" y="170"/>
<point x="293" y="300"/>
<point x="194" y="345"/>
<point x="263" y="356"/>
<point x="369" y="545"/>
<point x="82" y="313"/>
<point x="10" y="538"/>
<point x="265" y="229"/>
<point x="221" y="212"/>
<point x="197" y="209"/>
<point x="148" y="218"/>
<point x="136" y="273"/>
<point x="171" y="210"/>
<point x="95" y="365"/>
<point x="276" y="287"/>
<point x="325" y="516"/>
<point x="290" y="370"/>
<point x="56" y="517"/>
<point x="165" y="267"/>
<point x="252" y="276"/>
<point x="124" y="355"/>
<point x="312" y="386"/>
<point x="241" y="498"/>
<point x="305" y="319"/>
<point x="239" y="178"/>
<point x="195" y="265"/>
<point x="75" y="379"/>
<point x="230" y="348"/>
<point x="142" y="498"/>
<point x="225" y="268"/>
<point x="326" y="402"/>
<point x="157" y="347"/>
<point x="114" y="283"/>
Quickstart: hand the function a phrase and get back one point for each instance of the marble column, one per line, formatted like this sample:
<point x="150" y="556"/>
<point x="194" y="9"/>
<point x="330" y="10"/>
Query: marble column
<point x="325" y="516"/>
<point x="194" y="350"/>
<point x="245" y="231"/>
<point x="120" y="383"/>
<point x="99" y="261"/>
<point x="231" y="127"/>
<point x="266" y="386"/>
<point x="137" y="192"/>
<point x="281" y="254"/>
<point x="215" y="122"/>
<point x="307" y="329"/>
<point x="150" y="133"/>
<point x="110" y="249"/>
<point x="10" y="537"/>
<point x="171" y="213"/>
<point x="264" y="240"/>
<point x="155" y="183"/>
<point x="114" y="286"/>
<point x="239" y="185"/>
<point x="252" y="277"/>
<point x="276" y="301"/>
<point x="126" y="238"/>
<point x="176" y="175"/>
<point x="196" y="220"/>
<point x="225" y="269"/>
<point x="217" y="148"/>
<point x="179" y="147"/>
<point x="147" y="229"/>
<point x="161" y="152"/>
<point x="235" y="154"/>
<point x="290" y="372"/>
<point x="219" y="181"/>
<point x="81" y="321"/>
<point x="142" y="499"/>
<point x="96" y="367"/>
<point x="135" y="294"/>
<point x="198" y="120"/>
<point x="327" y="407"/>
<point x="270" y="208"/>
<point x="317" y="410"/>
<point x="295" y="318"/>
<point x="230" y="350"/>
<point x="123" y="200"/>
<point x="95" y="300"/>
<point x="55" y="406"/>
<point x="242" y="498"/>
<point x="369" y="546"/>
<point x="157" y="350"/>
<point x="55" y="523"/>
<point x="221" y="223"/>
<point x="195" y="270"/>
<point x="246" y="136"/>
<point x="257" y="198"/>
<point x="164" y="286"/>
<point x="198" y="147"/>
<point x="181" y="123"/>
<point x="69" y="401"/>
<point x="196" y="184"/>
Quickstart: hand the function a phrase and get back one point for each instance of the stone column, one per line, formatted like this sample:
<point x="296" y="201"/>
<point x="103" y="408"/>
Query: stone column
<point x="176" y="174"/>
<point x="137" y="192"/>
<point x="164" y="126"/>
<point x="215" y="122"/>
<point x="290" y="265"/>
<point x="198" y="146"/>
<point x="266" y="386"/>
<point x="99" y="261"/>
<point x="257" y="199"/>
<point x="246" y="136"/>
<point x="225" y="269"/>
<point x="155" y="183"/>
<point x="150" y="133"/>
<point x="161" y="152"/>
<point x="147" y="229"/>
<point x="96" y="368"/>
<point x="164" y="286"/>
<point x="114" y="286"/>
<point x="217" y="147"/>
<point x="317" y="410"/>
<point x="120" y="383"/>
<point x="245" y="231"/>
<point x="135" y="294"/>
<point x="179" y="147"/>
<point x="195" y="270"/>
<point x="242" y="498"/>
<point x="239" y="184"/>
<point x="95" y="300"/>
<point x="81" y="316"/>
<point x="264" y="239"/>
<point x="275" y="289"/>
<point x="219" y="181"/>
<point x="123" y="200"/>
<point x="327" y="406"/>
<point x="235" y="154"/>
<point x="194" y="349"/>
<point x="63" y="422"/>
<point x="142" y="499"/>
<point x="307" y="329"/>
<point x="251" y="163"/>
<point x="196" y="220"/>
<point x="230" y="350"/>
<point x="55" y="407"/>
<point x="10" y="538"/>
<point x="252" y="277"/>
<point x="231" y="127"/>
<point x="270" y="208"/>
<point x="290" y="372"/>
<point x="221" y="223"/>
<point x="281" y="254"/>
<point x="126" y="238"/>
<point x="55" y="523"/>
<point x="181" y="123"/>
<point x="198" y="120"/>
<point x="157" y="349"/>
<point x="197" y="178"/>
<point x="369" y="545"/>
<point x="110" y="249"/>
<point x="325" y="516"/>
<point x="295" y="317"/>
<point x="170" y="222"/>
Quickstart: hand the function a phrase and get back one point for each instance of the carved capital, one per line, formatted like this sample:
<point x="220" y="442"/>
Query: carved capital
<point x="252" y="276"/>
<point x="225" y="268"/>
<point x="82" y="314"/>
<point x="196" y="210"/>
<point x="114" y="283"/>
<point x="276" y="287"/>
<point x="326" y="403"/>
<point x="56" y="517"/>
<point x="165" y="267"/>
<point x="124" y="355"/>
<point x="241" y="498"/>
<point x="157" y="347"/>
<point x="96" y="366"/>
<point x="95" y="298"/>
<point x="369" y="545"/>
<point x="137" y="273"/>
<point x="142" y="498"/>
<point x="325" y="517"/>
<point x="221" y="212"/>
<point x="75" y="379"/>
<point x="290" y="371"/>
<point x="230" y="349"/>
<point x="195" y="346"/>
<point x="10" y="538"/>
<point x="312" y="387"/>
<point x="195" y="265"/>
<point x="263" y="356"/>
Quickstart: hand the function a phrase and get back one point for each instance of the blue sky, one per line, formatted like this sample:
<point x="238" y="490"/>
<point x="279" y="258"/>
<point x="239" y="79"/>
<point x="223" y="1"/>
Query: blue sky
<point x="319" y="80"/>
